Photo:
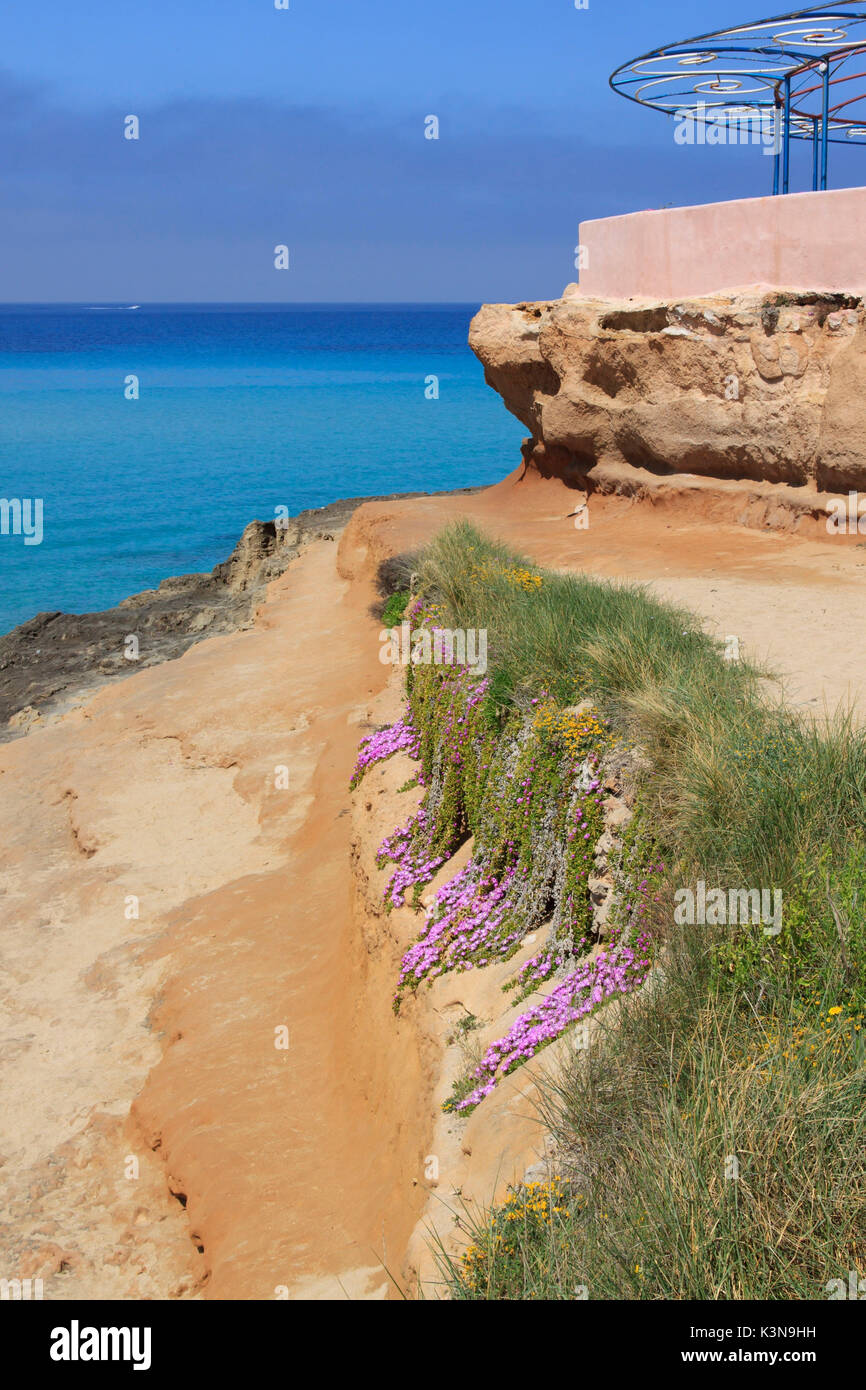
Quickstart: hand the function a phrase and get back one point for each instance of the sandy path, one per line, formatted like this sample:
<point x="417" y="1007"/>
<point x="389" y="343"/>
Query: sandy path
<point x="796" y="603"/>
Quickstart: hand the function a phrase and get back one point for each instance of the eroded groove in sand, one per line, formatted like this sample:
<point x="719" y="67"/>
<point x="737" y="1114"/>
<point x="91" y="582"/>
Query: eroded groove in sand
<point x="242" y="922"/>
<point x="295" y="1162"/>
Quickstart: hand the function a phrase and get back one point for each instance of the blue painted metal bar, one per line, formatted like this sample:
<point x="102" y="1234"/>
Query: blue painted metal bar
<point x="815" y="148"/>
<point x="777" y="143"/>
<point x="825" y="131"/>
<point x="786" y="174"/>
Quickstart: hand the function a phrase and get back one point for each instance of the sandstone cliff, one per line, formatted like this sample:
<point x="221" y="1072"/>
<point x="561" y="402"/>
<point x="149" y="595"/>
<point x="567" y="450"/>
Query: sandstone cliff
<point x="769" y="388"/>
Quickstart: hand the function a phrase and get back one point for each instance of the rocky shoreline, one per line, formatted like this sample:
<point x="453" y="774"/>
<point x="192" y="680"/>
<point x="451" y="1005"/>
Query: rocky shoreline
<point x="51" y="662"/>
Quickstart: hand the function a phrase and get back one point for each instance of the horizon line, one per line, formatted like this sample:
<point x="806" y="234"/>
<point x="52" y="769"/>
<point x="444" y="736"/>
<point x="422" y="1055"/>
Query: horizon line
<point x="257" y="303"/>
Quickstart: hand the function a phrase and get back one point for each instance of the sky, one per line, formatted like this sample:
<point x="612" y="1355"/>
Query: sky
<point x="305" y="128"/>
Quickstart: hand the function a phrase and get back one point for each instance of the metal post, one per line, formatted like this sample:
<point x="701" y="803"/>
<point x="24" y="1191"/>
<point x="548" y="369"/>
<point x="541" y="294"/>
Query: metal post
<point x="825" y="130"/>
<point x="786" y="175"/>
<point x="777" y="142"/>
<point x="816" y="124"/>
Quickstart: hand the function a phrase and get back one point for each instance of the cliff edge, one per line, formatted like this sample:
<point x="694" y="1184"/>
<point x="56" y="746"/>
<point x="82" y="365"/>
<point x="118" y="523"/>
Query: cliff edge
<point x="749" y="386"/>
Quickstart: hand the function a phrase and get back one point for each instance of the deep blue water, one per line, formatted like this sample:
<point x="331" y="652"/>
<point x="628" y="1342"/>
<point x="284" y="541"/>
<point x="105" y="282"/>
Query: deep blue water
<point x="242" y="409"/>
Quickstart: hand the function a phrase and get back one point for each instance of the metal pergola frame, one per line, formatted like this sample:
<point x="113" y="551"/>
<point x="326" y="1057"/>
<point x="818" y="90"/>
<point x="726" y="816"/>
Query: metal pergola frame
<point x="778" y="74"/>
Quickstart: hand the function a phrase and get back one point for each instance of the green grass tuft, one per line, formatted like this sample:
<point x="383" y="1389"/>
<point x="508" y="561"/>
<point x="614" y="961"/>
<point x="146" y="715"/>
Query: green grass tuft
<point x="712" y="1138"/>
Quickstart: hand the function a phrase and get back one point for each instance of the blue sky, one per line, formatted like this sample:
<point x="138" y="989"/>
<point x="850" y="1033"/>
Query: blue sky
<point x="306" y="127"/>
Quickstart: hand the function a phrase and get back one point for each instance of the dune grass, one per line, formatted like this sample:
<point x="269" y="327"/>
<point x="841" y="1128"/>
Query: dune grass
<point x="739" y="785"/>
<point x="712" y="1138"/>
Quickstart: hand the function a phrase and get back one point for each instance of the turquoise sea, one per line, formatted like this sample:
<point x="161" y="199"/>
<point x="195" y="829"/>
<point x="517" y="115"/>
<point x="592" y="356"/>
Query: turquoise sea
<point x="241" y="409"/>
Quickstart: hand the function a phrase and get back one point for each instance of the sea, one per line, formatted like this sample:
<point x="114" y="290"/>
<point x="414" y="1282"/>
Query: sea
<point x="137" y="441"/>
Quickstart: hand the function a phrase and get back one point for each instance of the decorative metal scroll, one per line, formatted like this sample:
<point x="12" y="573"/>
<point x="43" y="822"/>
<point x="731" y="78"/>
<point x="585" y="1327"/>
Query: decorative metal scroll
<point x="798" y="76"/>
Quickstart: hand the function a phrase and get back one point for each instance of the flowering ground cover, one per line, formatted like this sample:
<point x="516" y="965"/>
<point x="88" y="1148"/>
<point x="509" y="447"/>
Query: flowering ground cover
<point x="524" y="782"/>
<point x="617" y="970"/>
<point x="711" y="1137"/>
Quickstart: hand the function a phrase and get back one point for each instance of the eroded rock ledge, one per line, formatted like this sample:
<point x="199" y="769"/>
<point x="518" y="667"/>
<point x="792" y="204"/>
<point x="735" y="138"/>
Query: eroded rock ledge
<point x="748" y="385"/>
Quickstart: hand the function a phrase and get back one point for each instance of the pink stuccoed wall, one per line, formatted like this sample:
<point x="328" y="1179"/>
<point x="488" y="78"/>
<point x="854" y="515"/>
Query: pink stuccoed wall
<point x="812" y="241"/>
